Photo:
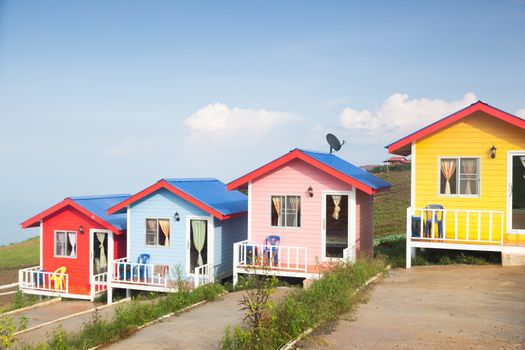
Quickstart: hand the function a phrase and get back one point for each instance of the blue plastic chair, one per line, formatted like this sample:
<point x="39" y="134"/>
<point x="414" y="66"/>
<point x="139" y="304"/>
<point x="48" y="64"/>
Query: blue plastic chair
<point x="142" y="259"/>
<point x="438" y="219"/>
<point x="251" y="255"/>
<point x="274" y="242"/>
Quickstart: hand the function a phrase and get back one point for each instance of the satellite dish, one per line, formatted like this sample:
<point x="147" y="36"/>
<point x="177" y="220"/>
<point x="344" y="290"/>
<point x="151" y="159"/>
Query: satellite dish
<point x="334" y="143"/>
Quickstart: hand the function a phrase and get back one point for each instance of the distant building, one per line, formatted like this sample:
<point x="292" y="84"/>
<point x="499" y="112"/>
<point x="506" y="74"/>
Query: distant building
<point x="397" y="160"/>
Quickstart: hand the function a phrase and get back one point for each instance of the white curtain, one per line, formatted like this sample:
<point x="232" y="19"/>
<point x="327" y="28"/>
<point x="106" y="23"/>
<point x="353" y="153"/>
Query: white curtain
<point x="337" y="208"/>
<point x="469" y="167"/>
<point x="294" y="205"/>
<point x="199" y="236"/>
<point x="103" y="261"/>
<point x="447" y="168"/>
<point x="73" y="241"/>
<point x="61" y="246"/>
<point x="165" y="226"/>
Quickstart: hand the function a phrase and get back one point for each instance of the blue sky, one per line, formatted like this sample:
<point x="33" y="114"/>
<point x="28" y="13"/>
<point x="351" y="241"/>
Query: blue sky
<point x="109" y="96"/>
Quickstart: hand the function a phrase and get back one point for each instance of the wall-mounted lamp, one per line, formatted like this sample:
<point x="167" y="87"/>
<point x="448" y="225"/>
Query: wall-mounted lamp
<point x="493" y="152"/>
<point x="310" y="191"/>
<point x="81" y="229"/>
<point x="177" y="217"/>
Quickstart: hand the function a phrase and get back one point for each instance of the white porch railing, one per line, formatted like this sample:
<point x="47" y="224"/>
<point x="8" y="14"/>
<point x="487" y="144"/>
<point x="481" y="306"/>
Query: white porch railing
<point x="36" y="279"/>
<point x="137" y="273"/>
<point x="203" y="275"/>
<point x="456" y="225"/>
<point x="100" y="283"/>
<point x="279" y="257"/>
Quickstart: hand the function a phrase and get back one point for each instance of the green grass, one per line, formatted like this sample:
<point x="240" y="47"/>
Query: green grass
<point x="392" y="248"/>
<point x="127" y="318"/>
<point x="19" y="255"/>
<point x="390" y="207"/>
<point x="326" y="300"/>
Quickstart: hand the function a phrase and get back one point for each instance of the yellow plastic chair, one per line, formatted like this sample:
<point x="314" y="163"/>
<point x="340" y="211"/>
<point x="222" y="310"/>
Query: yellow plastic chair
<point x="59" y="277"/>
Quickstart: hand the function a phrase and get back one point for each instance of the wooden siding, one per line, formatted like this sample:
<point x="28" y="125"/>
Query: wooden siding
<point x="471" y="137"/>
<point x="228" y="232"/>
<point x="163" y="205"/>
<point x="365" y="224"/>
<point x="69" y="219"/>
<point x="294" y="178"/>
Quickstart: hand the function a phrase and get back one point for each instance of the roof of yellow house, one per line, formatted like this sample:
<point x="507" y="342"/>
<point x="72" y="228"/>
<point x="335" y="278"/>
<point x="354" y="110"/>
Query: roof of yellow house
<point x="403" y="146"/>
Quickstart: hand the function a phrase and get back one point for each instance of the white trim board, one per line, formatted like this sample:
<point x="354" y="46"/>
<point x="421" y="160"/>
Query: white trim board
<point x="511" y="154"/>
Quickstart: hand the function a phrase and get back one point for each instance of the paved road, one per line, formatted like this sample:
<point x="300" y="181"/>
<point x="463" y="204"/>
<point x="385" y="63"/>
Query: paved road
<point x="46" y="313"/>
<point x="200" y="328"/>
<point x="446" y="307"/>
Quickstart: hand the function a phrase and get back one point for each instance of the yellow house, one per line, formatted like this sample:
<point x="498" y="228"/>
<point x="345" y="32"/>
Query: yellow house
<point x="467" y="183"/>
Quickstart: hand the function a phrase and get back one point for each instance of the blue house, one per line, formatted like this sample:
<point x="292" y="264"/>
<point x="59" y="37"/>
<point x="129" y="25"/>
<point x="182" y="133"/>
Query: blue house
<point x="179" y="230"/>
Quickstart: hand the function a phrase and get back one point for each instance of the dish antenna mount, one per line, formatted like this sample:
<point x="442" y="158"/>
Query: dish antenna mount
<point x="334" y="143"/>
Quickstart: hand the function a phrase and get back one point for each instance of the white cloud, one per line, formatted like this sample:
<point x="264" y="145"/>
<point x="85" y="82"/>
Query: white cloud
<point x="398" y="116"/>
<point x="220" y="122"/>
<point x="521" y="113"/>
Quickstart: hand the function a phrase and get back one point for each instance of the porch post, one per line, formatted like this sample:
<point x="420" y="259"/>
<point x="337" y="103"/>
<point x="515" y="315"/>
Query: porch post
<point x="408" y="248"/>
<point x="110" y="294"/>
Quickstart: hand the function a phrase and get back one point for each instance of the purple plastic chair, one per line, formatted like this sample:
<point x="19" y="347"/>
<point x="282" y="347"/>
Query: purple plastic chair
<point x="274" y="242"/>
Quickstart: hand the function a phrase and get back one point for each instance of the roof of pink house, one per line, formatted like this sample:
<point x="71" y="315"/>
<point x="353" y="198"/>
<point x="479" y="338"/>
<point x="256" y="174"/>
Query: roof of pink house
<point x="403" y="146"/>
<point x="326" y="162"/>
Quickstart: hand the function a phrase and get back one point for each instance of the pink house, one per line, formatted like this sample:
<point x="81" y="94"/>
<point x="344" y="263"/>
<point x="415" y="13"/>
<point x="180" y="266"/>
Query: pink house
<point x="305" y="209"/>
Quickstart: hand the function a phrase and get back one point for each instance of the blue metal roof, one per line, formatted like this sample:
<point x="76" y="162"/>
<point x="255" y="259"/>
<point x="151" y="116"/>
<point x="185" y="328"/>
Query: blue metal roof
<point x="348" y="169"/>
<point x="99" y="205"/>
<point x="213" y="193"/>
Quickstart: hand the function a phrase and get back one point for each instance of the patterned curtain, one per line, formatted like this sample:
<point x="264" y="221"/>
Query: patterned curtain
<point x="337" y="208"/>
<point x="448" y="166"/>
<point x="277" y="205"/>
<point x="165" y="226"/>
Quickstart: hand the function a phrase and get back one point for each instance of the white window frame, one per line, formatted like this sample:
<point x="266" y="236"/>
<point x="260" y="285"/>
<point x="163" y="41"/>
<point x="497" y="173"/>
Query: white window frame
<point x="458" y="177"/>
<point x="299" y="215"/>
<point x="158" y="232"/>
<point x="67" y="238"/>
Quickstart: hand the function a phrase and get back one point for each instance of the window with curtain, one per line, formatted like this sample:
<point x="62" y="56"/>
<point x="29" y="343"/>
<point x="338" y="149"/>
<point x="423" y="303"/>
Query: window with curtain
<point x="158" y="232"/>
<point x="66" y="244"/>
<point x="459" y="176"/>
<point x="286" y="211"/>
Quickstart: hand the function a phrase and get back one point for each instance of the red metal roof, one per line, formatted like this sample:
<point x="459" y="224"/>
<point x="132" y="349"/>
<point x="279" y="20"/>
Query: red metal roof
<point x="402" y="146"/>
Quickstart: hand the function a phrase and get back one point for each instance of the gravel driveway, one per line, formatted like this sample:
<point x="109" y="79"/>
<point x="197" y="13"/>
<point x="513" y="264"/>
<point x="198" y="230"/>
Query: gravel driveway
<point x="443" y="307"/>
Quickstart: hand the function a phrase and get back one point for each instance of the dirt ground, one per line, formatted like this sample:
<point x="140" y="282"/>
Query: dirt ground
<point x="442" y="307"/>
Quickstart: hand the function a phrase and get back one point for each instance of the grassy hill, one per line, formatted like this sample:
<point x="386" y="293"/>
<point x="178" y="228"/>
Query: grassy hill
<point x="16" y="256"/>
<point x="390" y="207"/>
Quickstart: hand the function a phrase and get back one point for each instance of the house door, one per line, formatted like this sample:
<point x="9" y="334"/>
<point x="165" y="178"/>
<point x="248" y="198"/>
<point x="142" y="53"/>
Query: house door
<point x="100" y="252"/>
<point x="198" y="243"/>
<point x="335" y="224"/>
<point x="516" y="199"/>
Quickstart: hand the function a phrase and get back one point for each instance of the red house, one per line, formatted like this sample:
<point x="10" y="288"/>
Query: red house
<point x="78" y="240"/>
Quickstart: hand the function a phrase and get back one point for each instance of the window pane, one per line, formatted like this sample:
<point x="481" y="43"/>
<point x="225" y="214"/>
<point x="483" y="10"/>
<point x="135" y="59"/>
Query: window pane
<point x="151" y="238"/>
<point x="448" y="176"/>
<point x="292" y="208"/>
<point x="469" y="176"/>
<point x="60" y="244"/>
<point x="151" y="225"/>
